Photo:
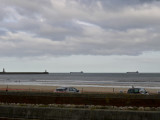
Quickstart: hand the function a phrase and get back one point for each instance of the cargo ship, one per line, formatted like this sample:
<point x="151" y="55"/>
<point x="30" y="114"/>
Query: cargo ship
<point x="4" y="72"/>
<point x="132" y="72"/>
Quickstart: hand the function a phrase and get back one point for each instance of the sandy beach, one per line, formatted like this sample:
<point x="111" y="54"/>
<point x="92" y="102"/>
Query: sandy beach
<point x="82" y="89"/>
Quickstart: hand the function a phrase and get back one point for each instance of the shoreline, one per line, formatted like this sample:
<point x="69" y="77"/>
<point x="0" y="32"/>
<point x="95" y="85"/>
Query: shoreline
<point x="40" y="88"/>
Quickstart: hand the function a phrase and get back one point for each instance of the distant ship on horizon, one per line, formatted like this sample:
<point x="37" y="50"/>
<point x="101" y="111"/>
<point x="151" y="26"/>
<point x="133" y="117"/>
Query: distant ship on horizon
<point x="133" y="72"/>
<point x="77" y="72"/>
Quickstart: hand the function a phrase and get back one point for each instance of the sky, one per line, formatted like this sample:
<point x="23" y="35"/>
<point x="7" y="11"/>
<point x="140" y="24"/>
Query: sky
<point x="80" y="35"/>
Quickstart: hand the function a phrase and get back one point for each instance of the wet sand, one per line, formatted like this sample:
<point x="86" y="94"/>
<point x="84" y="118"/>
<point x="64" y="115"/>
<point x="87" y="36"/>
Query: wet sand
<point x="82" y="89"/>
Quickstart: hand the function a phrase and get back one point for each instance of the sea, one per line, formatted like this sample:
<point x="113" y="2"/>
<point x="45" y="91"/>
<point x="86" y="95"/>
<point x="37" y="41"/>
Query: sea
<point x="78" y="79"/>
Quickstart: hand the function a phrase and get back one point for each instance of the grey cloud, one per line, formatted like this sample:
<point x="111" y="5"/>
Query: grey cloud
<point x="131" y="42"/>
<point x="76" y="27"/>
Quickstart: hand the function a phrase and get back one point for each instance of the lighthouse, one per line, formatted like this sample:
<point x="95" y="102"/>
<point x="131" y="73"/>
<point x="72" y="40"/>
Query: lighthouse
<point x="4" y="70"/>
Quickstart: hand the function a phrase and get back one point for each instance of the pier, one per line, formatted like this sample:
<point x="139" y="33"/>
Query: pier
<point x="4" y="72"/>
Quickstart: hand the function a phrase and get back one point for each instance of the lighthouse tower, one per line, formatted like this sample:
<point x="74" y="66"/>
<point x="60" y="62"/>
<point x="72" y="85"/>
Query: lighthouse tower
<point x="4" y="70"/>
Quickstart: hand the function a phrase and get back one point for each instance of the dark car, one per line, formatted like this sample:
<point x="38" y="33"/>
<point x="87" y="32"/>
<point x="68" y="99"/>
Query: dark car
<point x="137" y="91"/>
<point x="66" y="90"/>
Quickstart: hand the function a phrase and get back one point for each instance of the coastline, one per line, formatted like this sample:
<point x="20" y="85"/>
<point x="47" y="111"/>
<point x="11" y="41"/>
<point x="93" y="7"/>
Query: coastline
<point x="82" y="89"/>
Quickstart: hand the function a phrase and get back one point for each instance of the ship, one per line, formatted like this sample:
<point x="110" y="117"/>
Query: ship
<point x="132" y="72"/>
<point x="77" y="72"/>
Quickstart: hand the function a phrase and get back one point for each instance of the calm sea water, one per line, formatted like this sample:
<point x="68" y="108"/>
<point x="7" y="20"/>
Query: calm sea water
<point x="146" y="80"/>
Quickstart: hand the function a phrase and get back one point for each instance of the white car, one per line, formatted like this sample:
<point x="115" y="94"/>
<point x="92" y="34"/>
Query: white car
<point x="66" y="90"/>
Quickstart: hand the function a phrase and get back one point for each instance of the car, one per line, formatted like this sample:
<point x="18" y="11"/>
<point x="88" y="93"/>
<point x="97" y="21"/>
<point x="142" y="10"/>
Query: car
<point x="66" y="90"/>
<point x="137" y="91"/>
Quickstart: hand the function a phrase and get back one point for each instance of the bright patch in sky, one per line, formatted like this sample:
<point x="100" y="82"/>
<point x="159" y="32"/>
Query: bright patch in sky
<point x="86" y="23"/>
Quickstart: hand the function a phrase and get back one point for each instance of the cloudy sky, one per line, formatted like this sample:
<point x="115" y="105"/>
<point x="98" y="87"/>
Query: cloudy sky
<point x="80" y="35"/>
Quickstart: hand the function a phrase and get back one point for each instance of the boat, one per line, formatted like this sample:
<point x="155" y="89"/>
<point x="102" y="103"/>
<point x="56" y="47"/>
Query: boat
<point x="132" y="72"/>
